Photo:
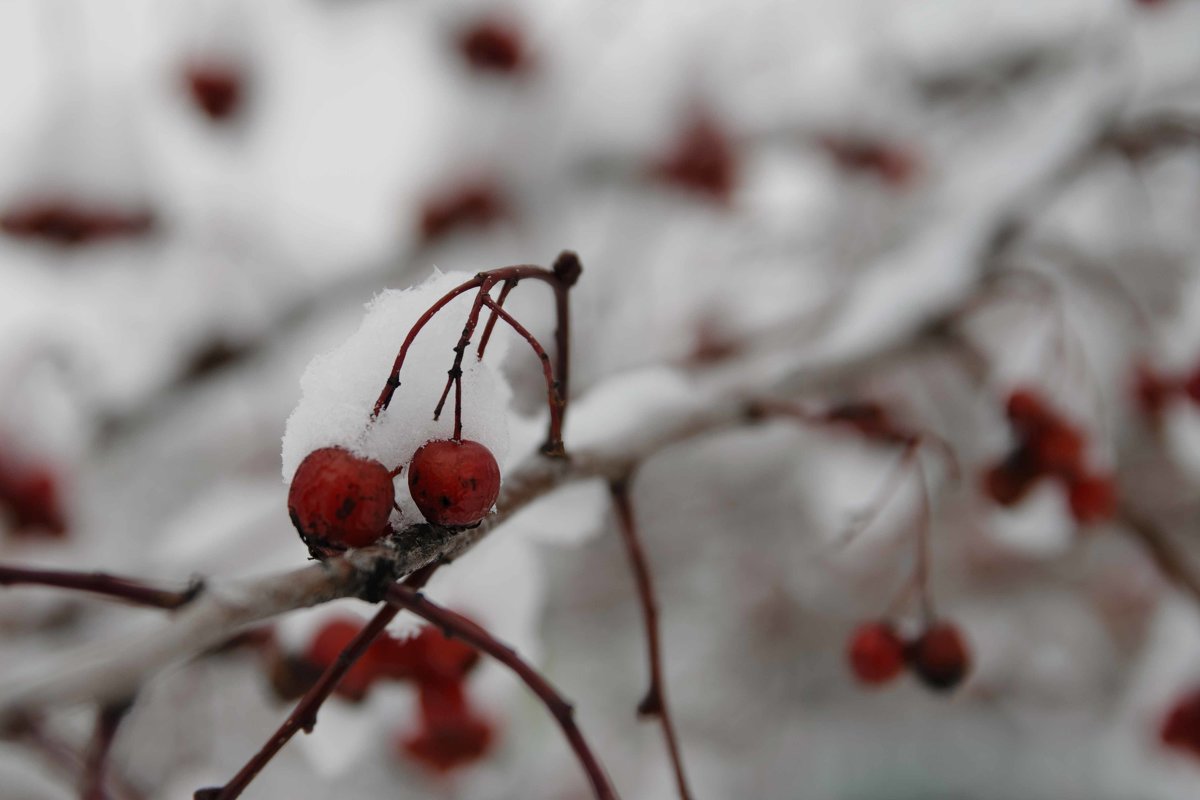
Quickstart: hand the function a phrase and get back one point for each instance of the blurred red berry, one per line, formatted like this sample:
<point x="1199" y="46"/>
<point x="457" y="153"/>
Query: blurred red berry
<point x="329" y="643"/>
<point x="1027" y="410"/>
<point x="339" y="499"/>
<point x="1180" y="729"/>
<point x="451" y="734"/>
<point x="1093" y="498"/>
<point x="891" y="163"/>
<point x="474" y="205"/>
<point x="1008" y="482"/>
<point x="69" y="223"/>
<point x="875" y="653"/>
<point x="216" y="88"/>
<point x="702" y="160"/>
<point x="1151" y="390"/>
<point x="939" y="657"/>
<point x="1058" y="448"/>
<point x="493" y="45"/>
<point x="454" y="483"/>
<point x="29" y="498"/>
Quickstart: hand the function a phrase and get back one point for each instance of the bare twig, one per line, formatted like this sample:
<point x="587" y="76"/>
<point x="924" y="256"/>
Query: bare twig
<point x="654" y="703"/>
<point x="453" y="624"/>
<point x="126" y="589"/>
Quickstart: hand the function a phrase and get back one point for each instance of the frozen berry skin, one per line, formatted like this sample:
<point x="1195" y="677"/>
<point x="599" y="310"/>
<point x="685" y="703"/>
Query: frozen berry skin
<point x="875" y="653"/>
<point x="454" y="483"/>
<point x="939" y="657"/>
<point x="339" y="499"/>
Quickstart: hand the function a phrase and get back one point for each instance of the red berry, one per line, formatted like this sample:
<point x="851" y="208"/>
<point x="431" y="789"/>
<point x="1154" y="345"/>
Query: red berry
<point x="939" y="657"/>
<point x="328" y="644"/>
<point x="473" y="205"/>
<point x="1151" y="390"/>
<point x="1027" y="410"/>
<point x="1093" y="498"/>
<point x="1181" y="727"/>
<point x="454" y="483"/>
<point x="493" y="45"/>
<point x="1007" y="482"/>
<point x="702" y="160"/>
<point x="875" y="653"/>
<point x="451" y="734"/>
<point x="340" y="499"/>
<point x="216" y="88"/>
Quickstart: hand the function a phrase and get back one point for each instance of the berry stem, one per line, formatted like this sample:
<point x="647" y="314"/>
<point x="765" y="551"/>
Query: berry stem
<point x="654" y="703"/>
<point x="491" y="323"/>
<point x="454" y="376"/>
<point x="553" y="399"/>
<point x="108" y="718"/>
<point x="304" y="715"/>
<point x="100" y="583"/>
<point x="453" y="624"/>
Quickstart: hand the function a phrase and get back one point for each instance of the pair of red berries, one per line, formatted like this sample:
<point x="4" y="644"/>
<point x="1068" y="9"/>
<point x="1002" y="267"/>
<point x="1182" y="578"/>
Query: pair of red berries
<point x="1048" y="446"/>
<point x="339" y="499"/>
<point x="1154" y="390"/>
<point x="939" y="657"/>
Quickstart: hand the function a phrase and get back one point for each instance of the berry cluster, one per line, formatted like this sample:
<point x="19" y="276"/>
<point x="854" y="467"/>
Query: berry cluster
<point x="1048" y="446"/>
<point x="938" y="657"/>
<point x="452" y="733"/>
<point x="216" y="88"/>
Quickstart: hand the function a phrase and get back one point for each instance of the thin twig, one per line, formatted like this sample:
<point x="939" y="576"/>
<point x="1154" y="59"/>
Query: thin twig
<point x="126" y="589"/>
<point x="654" y="703"/>
<point x="453" y="624"/>
<point x="95" y="763"/>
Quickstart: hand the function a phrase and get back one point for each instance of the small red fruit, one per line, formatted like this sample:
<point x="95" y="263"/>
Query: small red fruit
<point x="1181" y="727"/>
<point x="939" y="657"/>
<point x="340" y="499"/>
<point x="1191" y="385"/>
<point x="1093" y="498"/>
<point x="430" y="656"/>
<point x="1058" y="448"/>
<point x="1008" y="481"/>
<point x="454" y="483"/>
<point x="703" y="160"/>
<point x="875" y="653"/>
<point x="451" y="734"/>
<point x="215" y="88"/>
<point x="1027" y="410"/>
<point x="493" y="45"/>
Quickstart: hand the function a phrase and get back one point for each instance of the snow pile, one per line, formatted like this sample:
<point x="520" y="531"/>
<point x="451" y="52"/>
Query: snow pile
<point x="339" y="388"/>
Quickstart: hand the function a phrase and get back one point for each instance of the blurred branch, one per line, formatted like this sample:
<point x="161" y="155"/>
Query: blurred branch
<point x="112" y="586"/>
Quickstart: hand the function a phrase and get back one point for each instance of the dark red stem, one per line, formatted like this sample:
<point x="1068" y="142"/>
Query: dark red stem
<point x="304" y="715"/>
<point x="99" y="583"/>
<point x="454" y="376"/>
<point x="491" y="323"/>
<point x="453" y="624"/>
<point x="655" y="701"/>
<point x="554" y="398"/>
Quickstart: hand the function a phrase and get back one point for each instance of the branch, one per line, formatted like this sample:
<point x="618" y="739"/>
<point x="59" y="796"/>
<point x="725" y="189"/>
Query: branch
<point x="95" y="764"/>
<point x="655" y="701"/>
<point x="453" y="624"/>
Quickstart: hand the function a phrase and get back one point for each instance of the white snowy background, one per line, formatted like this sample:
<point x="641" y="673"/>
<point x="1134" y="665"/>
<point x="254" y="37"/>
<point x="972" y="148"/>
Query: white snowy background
<point x="274" y="230"/>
